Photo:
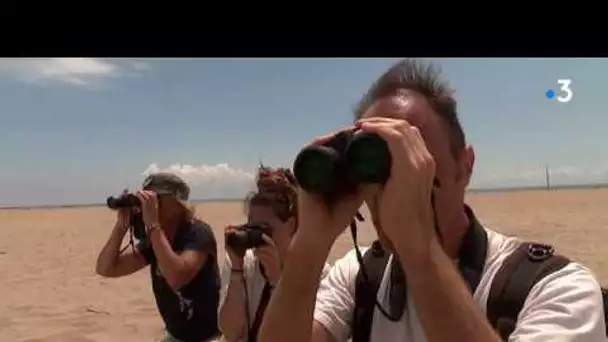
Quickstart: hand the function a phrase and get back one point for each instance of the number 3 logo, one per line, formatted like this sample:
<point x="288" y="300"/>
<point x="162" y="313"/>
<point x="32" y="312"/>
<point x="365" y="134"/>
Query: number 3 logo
<point x="566" y="93"/>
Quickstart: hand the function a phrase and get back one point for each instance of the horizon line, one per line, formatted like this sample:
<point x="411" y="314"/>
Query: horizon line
<point x="208" y="200"/>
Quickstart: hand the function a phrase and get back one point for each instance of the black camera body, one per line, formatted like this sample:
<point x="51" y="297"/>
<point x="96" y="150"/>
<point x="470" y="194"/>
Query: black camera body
<point x="247" y="236"/>
<point x="337" y="167"/>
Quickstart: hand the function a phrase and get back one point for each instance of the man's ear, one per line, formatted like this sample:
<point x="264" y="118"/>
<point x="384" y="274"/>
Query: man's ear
<point x="467" y="161"/>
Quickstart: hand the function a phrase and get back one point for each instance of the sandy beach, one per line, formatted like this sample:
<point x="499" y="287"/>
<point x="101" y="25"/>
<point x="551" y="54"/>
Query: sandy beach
<point x="49" y="291"/>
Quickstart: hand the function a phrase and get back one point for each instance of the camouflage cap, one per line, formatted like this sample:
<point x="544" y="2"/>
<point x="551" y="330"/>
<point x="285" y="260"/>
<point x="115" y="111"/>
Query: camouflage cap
<point x="165" y="183"/>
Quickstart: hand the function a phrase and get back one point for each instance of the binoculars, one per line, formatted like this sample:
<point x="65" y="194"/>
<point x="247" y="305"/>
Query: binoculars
<point x="123" y="201"/>
<point x="338" y="166"/>
<point x="127" y="200"/>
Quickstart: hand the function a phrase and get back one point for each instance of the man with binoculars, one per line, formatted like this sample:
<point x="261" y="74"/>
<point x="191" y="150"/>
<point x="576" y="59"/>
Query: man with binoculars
<point x="181" y="252"/>
<point x="443" y="276"/>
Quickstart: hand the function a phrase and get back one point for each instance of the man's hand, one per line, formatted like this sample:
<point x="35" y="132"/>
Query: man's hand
<point x="123" y="216"/>
<point x="322" y="220"/>
<point x="404" y="204"/>
<point x="149" y="208"/>
<point x="268" y="256"/>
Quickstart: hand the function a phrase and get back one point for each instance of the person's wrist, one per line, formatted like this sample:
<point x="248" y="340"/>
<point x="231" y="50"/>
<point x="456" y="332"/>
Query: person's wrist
<point x="314" y="241"/>
<point x="237" y="263"/>
<point x="154" y="226"/>
<point x="273" y="281"/>
<point x="121" y="226"/>
<point x="418" y="257"/>
<point x="237" y="273"/>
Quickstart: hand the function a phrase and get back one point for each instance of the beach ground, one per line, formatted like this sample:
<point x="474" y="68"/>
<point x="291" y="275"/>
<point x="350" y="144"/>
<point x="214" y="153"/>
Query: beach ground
<point x="49" y="291"/>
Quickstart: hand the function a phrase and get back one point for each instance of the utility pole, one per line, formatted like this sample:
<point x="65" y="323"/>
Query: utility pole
<point x="547" y="177"/>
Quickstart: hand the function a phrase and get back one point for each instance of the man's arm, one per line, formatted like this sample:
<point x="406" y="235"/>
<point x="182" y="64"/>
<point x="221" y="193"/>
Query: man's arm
<point x="289" y="315"/>
<point x="110" y="263"/>
<point x="443" y="301"/>
<point x="232" y="302"/>
<point x="179" y="269"/>
<point x="565" y="306"/>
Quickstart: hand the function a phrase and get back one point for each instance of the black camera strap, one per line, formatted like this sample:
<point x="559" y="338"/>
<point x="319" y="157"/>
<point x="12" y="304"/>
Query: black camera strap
<point x="252" y="328"/>
<point x="259" y="313"/>
<point x="131" y="242"/>
<point x="374" y="262"/>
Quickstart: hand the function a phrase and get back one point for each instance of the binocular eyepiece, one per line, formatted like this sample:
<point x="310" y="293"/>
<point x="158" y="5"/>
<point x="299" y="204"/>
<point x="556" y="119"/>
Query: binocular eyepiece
<point x="336" y="167"/>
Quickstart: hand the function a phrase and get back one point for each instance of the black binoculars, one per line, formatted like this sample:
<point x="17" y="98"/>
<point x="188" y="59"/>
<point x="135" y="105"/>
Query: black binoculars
<point x="336" y="167"/>
<point x="123" y="201"/>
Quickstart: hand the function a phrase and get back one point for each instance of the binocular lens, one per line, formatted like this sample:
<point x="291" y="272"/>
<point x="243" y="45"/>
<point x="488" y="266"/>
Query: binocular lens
<point x="338" y="166"/>
<point x="315" y="167"/>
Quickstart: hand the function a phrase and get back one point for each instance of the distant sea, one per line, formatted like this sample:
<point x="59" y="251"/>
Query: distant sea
<point x="209" y="200"/>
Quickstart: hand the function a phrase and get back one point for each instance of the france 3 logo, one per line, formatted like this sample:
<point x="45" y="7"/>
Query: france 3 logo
<point x="564" y="93"/>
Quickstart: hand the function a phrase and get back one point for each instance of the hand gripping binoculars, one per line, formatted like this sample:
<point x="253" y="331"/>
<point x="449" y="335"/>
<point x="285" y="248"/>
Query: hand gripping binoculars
<point x="338" y="166"/>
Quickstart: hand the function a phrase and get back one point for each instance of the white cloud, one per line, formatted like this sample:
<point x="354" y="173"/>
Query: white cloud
<point x="140" y="65"/>
<point x="80" y="72"/>
<point x="210" y="181"/>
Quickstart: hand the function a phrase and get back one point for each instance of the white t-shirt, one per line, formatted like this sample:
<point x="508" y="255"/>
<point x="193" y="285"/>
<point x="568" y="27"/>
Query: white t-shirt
<point x="254" y="279"/>
<point x="565" y="306"/>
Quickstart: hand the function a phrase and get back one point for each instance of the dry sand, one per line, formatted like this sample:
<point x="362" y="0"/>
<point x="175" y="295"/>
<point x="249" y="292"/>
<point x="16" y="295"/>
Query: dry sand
<point x="49" y="291"/>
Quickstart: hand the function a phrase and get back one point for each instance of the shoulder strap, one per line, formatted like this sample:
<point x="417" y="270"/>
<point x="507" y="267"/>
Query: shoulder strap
<point x="259" y="313"/>
<point x="375" y="261"/>
<point x="528" y="264"/>
<point x="605" y="302"/>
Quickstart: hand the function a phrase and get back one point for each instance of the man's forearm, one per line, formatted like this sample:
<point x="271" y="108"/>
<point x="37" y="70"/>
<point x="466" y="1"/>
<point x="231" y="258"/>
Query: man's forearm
<point x="232" y="312"/>
<point x="169" y="262"/>
<point x="110" y="251"/>
<point x="289" y="316"/>
<point x="442" y="299"/>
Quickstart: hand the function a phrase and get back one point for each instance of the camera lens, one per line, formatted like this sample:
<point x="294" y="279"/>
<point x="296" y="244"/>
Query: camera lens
<point x="368" y="159"/>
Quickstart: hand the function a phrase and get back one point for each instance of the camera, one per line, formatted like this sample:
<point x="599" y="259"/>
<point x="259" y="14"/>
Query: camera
<point x="248" y="236"/>
<point x="336" y="167"/>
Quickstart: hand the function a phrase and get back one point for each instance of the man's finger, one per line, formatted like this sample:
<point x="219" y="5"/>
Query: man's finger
<point x="413" y="139"/>
<point x="141" y="195"/>
<point x="424" y="158"/>
<point x="150" y="194"/>
<point x="391" y="135"/>
<point x="268" y="240"/>
<point x="404" y="142"/>
<point x="378" y="119"/>
<point x="325" y="138"/>
<point x="263" y="255"/>
<point x="266" y="250"/>
<point x="231" y="227"/>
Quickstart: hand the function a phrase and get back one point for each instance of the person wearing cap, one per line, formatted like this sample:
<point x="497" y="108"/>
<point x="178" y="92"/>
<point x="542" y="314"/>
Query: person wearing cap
<point x="181" y="252"/>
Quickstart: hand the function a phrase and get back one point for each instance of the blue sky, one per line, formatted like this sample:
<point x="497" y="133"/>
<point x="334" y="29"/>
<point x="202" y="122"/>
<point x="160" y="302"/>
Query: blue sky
<point x="76" y="130"/>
